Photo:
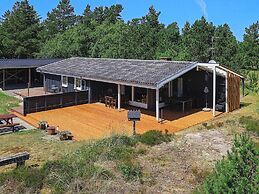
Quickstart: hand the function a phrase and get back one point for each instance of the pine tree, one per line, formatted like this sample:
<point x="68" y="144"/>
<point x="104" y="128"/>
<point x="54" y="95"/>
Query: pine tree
<point x="249" y="48"/>
<point x="200" y="40"/>
<point x="169" y="40"/>
<point x="224" y="46"/>
<point x="20" y="28"/>
<point x="59" y="19"/>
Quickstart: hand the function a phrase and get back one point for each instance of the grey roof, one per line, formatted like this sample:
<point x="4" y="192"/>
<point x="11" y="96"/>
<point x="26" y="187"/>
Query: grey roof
<point x="24" y="63"/>
<point x="125" y="71"/>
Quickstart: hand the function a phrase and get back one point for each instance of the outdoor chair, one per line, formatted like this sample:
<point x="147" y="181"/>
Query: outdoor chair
<point x="113" y="103"/>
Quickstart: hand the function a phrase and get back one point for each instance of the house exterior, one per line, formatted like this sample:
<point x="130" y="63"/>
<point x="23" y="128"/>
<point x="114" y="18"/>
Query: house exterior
<point x="146" y="84"/>
<point x="21" y="72"/>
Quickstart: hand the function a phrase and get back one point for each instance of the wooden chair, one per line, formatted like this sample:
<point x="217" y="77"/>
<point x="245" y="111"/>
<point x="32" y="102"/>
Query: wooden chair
<point x="107" y="101"/>
<point x="113" y="103"/>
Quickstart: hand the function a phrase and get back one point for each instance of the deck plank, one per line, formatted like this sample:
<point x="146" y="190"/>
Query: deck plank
<point x="93" y="121"/>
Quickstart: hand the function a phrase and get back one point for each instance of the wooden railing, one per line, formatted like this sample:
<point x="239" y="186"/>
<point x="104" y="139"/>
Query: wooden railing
<point x="53" y="101"/>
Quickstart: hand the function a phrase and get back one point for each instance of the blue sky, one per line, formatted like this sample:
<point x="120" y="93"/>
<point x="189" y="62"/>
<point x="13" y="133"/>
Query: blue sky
<point x="237" y="13"/>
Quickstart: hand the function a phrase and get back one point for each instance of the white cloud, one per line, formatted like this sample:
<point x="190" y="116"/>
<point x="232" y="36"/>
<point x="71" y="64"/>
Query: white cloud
<point x="202" y="4"/>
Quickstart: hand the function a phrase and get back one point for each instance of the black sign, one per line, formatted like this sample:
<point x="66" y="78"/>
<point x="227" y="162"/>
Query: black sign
<point x="134" y="115"/>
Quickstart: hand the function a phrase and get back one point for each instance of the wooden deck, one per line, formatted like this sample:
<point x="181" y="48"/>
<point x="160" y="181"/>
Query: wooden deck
<point x="93" y="121"/>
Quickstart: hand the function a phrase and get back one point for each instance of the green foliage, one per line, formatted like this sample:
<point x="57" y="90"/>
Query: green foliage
<point x="250" y="123"/>
<point x="19" y="30"/>
<point x="7" y="102"/>
<point x="130" y="171"/>
<point x="238" y="172"/>
<point x="154" y="137"/>
<point x="59" y="19"/>
<point x="252" y="81"/>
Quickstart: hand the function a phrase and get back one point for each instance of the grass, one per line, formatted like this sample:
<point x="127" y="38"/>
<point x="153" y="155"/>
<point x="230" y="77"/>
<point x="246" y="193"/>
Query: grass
<point x="7" y="102"/>
<point x="82" y="162"/>
<point x="250" y="123"/>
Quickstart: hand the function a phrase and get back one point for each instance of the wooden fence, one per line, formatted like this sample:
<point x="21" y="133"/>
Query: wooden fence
<point x="233" y="92"/>
<point x="53" y="101"/>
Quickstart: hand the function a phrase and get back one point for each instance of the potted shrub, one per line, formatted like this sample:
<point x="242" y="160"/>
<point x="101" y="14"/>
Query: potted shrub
<point x="43" y="125"/>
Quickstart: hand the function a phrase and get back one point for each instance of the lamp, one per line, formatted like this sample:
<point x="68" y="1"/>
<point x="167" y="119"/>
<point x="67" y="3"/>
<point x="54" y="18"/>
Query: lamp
<point x="206" y="91"/>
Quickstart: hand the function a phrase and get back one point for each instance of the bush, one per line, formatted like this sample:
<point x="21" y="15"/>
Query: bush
<point x="238" y="172"/>
<point x="250" y="123"/>
<point x="154" y="137"/>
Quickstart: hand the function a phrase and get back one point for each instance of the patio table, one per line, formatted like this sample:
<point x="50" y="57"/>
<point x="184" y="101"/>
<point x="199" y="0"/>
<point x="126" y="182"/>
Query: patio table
<point x="8" y="118"/>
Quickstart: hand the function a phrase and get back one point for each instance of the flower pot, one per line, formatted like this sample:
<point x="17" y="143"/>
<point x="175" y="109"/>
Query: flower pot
<point x="51" y="130"/>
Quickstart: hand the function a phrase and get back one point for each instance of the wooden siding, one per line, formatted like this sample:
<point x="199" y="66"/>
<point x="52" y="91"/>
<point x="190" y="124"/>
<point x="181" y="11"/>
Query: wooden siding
<point x="233" y="92"/>
<point x="52" y="80"/>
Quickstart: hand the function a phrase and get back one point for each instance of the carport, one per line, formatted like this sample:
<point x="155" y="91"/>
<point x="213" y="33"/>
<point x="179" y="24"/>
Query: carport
<point x="21" y="73"/>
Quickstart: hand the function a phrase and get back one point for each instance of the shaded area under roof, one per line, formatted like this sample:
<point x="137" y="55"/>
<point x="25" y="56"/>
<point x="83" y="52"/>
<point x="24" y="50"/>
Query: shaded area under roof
<point x="125" y="71"/>
<point x="24" y="63"/>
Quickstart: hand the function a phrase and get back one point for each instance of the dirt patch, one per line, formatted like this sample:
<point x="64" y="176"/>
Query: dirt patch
<point x="181" y="165"/>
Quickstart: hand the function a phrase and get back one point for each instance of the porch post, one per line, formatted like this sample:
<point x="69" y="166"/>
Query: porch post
<point x="157" y="104"/>
<point x="119" y="96"/>
<point x="29" y="81"/>
<point x="214" y="91"/>
<point x="132" y="93"/>
<point x="3" y="79"/>
<point x="226" y="89"/>
<point x="89" y="92"/>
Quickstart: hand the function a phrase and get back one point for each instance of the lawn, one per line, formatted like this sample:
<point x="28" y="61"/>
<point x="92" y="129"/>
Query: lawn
<point x="7" y="102"/>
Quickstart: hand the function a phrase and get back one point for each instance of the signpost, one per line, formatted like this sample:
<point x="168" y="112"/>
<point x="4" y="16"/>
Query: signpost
<point x="134" y="115"/>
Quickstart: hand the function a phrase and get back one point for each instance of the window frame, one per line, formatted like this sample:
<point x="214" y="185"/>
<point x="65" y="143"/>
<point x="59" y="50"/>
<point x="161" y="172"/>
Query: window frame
<point x="75" y="84"/>
<point x="62" y="81"/>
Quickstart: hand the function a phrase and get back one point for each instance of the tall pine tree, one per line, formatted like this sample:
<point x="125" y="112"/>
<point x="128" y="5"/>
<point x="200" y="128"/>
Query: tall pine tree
<point x="224" y="46"/>
<point x="249" y="48"/>
<point x="19" y="31"/>
<point x="59" y="19"/>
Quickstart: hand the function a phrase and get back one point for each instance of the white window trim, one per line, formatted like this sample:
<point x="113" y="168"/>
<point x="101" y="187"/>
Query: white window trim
<point x="78" y="88"/>
<point x="64" y="85"/>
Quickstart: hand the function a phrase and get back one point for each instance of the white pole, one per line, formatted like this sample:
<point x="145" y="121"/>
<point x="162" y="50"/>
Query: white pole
<point x="214" y="91"/>
<point x="119" y="96"/>
<point x="157" y="104"/>
<point x="226" y="89"/>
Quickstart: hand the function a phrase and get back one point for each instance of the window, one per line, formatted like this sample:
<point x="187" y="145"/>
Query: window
<point x="64" y="81"/>
<point x="78" y="84"/>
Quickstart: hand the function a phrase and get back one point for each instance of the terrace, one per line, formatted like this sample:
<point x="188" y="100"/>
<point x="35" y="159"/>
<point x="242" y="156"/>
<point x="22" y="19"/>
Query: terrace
<point x="93" y="121"/>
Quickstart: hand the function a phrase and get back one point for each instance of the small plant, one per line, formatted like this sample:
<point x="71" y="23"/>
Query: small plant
<point x="43" y="124"/>
<point x="130" y="171"/>
<point x="154" y="137"/>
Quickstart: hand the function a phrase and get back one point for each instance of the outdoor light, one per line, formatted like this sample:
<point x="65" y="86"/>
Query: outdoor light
<point x="206" y="91"/>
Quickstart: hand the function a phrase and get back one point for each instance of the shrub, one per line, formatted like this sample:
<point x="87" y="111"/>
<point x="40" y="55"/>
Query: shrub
<point x="238" y="172"/>
<point x="250" y="123"/>
<point x="130" y="171"/>
<point x="154" y="137"/>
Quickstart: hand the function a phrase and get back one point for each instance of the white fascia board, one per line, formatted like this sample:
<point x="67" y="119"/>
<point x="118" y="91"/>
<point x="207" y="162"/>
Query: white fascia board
<point x="226" y="69"/>
<point x="171" y="78"/>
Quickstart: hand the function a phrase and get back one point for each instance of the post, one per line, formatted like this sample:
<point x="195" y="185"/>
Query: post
<point x="44" y="83"/>
<point x="226" y="89"/>
<point x="29" y="77"/>
<point x="132" y="93"/>
<point x="134" y="128"/>
<point x="3" y="79"/>
<point x="214" y="91"/>
<point x="89" y="92"/>
<point x="243" y="87"/>
<point x="119" y="96"/>
<point x="157" y="104"/>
